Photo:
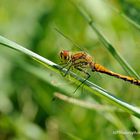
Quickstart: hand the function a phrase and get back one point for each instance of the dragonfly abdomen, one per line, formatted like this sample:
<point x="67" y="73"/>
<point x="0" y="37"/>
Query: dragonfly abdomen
<point x="101" y="69"/>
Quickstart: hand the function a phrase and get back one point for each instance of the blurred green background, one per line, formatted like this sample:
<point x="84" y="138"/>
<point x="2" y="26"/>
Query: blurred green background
<point x="27" y="111"/>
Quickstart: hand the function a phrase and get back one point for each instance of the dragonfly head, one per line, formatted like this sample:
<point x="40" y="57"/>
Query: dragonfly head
<point x="65" y="56"/>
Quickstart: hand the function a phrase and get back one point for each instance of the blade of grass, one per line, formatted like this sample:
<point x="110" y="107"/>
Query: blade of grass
<point x="41" y="73"/>
<point x="122" y="14"/>
<point x="88" y="85"/>
<point x="130" y="20"/>
<point x="106" y="43"/>
<point x="88" y="105"/>
<point x="104" y="110"/>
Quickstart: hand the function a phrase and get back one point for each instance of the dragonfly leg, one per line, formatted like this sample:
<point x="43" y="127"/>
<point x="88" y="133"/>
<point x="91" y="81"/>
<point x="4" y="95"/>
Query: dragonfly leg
<point x="65" y="65"/>
<point x="88" y="76"/>
<point x="67" y="70"/>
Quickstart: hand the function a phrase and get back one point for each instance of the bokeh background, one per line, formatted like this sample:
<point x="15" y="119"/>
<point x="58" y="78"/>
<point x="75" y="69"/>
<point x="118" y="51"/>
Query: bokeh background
<point x="27" y="111"/>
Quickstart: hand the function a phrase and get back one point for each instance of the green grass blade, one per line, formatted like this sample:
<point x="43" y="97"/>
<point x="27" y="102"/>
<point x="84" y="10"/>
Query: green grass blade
<point x="19" y="48"/>
<point x="122" y="14"/>
<point x="136" y="25"/>
<point x="88" y="85"/>
<point x="107" y="44"/>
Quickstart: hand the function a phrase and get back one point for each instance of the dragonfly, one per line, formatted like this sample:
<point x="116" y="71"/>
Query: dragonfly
<point x="82" y="61"/>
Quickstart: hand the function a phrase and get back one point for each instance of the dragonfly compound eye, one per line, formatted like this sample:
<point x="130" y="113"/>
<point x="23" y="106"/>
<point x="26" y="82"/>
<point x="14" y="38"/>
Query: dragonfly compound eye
<point x="64" y="55"/>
